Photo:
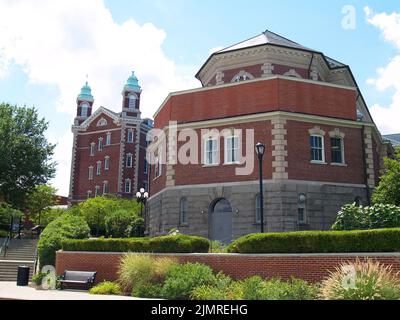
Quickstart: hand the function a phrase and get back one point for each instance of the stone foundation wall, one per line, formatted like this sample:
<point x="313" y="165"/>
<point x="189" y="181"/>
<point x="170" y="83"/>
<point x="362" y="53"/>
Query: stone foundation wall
<point x="281" y="204"/>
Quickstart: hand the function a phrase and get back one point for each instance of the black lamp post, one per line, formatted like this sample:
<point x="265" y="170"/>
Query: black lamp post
<point x="260" y="150"/>
<point x="142" y="197"/>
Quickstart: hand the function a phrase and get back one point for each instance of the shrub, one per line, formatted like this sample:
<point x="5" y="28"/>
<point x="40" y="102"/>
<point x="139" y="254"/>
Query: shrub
<point x="366" y="280"/>
<point x="3" y="234"/>
<point x="51" y="214"/>
<point x="165" y="244"/>
<point x="107" y="288"/>
<point x="64" y="227"/>
<point x="217" y="247"/>
<point x="96" y="210"/>
<point x="120" y="223"/>
<point x="6" y="212"/>
<point x="352" y="217"/>
<point x="137" y="271"/>
<point x="383" y="240"/>
<point x="224" y="288"/>
<point x="182" y="279"/>
<point x="38" y="278"/>
<point x="294" y="289"/>
<point x="388" y="190"/>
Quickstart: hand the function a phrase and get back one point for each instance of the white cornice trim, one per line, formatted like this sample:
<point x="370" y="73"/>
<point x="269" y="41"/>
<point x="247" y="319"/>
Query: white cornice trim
<point x="84" y="125"/>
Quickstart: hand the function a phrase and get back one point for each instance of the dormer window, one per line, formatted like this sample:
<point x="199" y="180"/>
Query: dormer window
<point x="102" y="122"/>
<point x="84" y="110"/>
<point x="132" y="101"/>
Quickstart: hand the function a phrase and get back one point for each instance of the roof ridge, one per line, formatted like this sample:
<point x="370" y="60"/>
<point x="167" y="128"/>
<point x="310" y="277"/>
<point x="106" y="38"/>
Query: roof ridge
<point x="269" y="31"/>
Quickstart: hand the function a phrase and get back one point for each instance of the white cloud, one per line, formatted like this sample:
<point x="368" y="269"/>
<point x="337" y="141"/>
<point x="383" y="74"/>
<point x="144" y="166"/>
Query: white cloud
<point x="386" y="117"/>
<point x="59" y="42"/>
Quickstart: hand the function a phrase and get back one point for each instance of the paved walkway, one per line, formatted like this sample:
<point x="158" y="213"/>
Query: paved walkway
<point x="10" y="291"/>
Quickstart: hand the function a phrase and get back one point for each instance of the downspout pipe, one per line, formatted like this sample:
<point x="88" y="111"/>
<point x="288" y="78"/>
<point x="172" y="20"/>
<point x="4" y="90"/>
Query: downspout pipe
<point x="365" y="166"/>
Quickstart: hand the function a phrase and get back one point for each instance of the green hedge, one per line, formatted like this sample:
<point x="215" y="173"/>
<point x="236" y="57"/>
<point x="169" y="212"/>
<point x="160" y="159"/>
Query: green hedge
<point x="382" y="240"/>
<point x="165" y="244"/>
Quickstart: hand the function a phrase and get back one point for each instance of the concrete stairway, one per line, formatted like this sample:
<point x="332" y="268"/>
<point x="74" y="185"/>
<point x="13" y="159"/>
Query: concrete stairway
<point x="20" y="252"/>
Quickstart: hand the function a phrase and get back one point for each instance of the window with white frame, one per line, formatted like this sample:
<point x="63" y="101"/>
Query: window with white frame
<point x="132" y="101"/>
<point x="210" y="151"/>
<point x="317" y="148"/>
<point x="108" y="138"/>
<point x="102" y="122"/>
<point x="107" y="163"/>
<point x="130" y="136"/>
<point x="129" y="160"/>
<point x="232" y="149"/>
<point x="100" y="144"/>
<point x="258" y="209"/>
<point x="183" y="213"/>
<point x="105" y="187"/>
<point x="88" y="194"/>
<point x="97" y="191"/>
<point x="158" y="164"/>
<point x="337" y="150"/>
<point x="92" y="149"/>
<point x="91" y="173"/>
<point x="128" y="186"/>
<point x="98" y="171"/>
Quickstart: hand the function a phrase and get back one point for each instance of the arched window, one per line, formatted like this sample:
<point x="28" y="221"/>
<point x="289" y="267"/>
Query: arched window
<point x="84" y="110"/>
<point x="183" y="219"/>
<point x="132" y="101"/>
<point x="301" y="211"/>
<point x="102" y="122"/>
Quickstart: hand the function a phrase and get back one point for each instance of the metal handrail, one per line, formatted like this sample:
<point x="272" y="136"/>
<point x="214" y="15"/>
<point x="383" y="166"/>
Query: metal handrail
<point x="4" y="246"/>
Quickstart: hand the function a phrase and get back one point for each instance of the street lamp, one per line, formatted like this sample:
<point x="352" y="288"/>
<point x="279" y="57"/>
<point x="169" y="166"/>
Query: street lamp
<point x="260" y="150"/>
<point x="142" y="197"/>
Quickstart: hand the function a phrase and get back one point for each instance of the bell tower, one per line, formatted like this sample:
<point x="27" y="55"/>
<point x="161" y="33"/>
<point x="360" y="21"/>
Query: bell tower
<point x="84" y="104"/>
<point x="131" y="97"/>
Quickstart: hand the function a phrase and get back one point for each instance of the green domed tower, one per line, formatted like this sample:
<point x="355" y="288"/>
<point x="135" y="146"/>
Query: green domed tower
<point x="131" y="97"/>
<point x="84" y="103"/>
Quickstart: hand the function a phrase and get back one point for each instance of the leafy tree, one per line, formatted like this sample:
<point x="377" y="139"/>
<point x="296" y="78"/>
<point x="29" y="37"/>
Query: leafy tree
<point x="40" y="200"/>
<point x="388" y="190"/>
<point x="6" y="212"/>
<point x="25" y="154"/>
<point x="95" y="211"/>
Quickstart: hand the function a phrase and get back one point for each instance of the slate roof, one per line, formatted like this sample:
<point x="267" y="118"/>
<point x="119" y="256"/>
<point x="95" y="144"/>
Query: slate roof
<point x="393" y="138"/>
<point x="269" y="37"/>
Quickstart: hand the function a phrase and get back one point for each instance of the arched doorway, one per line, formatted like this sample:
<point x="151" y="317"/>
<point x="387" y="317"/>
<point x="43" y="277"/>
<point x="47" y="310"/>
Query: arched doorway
<point x="221" y="221"/>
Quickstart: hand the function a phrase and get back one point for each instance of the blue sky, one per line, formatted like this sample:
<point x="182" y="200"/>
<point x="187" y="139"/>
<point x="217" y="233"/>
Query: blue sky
<point x="47" y="49"/>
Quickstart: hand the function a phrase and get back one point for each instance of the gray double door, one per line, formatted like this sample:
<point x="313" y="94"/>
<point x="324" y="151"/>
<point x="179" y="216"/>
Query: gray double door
<point x="221" y="221"/>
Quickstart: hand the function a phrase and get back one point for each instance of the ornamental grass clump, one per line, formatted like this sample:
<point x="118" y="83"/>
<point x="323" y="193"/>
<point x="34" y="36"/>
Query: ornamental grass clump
<point x="138" y="271"/>
<point x="362" y="280"/>
<point x="107" y="288"/>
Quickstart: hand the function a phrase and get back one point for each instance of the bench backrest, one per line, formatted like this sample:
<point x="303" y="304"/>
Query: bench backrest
<point x="79" y="275"/>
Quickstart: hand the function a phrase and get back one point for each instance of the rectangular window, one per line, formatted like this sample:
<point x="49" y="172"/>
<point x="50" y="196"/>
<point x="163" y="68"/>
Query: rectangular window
<point x="98" y="172"/>
<point x="100" y="144"/>
<point x="88" y="194"/>
<point x="317" y="149"/>
<point x="146" y="165"/>
<point x="183" y="211"/>
<point x="232" y="150"/>
<point x="105" y="187"/>
<point x="146" y="186"/>
<point x="108" y="139"/>
<point x="130" y="136"/>
<point x="97" y="191"/>
<point x="337" y="150"/>
<point x="90" y="173"/>
<point x="107" y="163"/>
<point x="210" y="151"/>
<point x="129" y="160"/>
<point x="301" y="215"/>
<point x="128" y="186"/>
<point x="158" y="164"/>
<point x="258" y="209"/>
<point x="92" y="146"/>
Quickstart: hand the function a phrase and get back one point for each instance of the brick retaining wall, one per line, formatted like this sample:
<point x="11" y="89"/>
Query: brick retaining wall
<point x="310" y="267"/>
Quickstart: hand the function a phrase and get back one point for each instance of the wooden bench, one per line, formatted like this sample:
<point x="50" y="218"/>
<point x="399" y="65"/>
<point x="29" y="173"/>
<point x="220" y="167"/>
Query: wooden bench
<point x="81" y="279"/>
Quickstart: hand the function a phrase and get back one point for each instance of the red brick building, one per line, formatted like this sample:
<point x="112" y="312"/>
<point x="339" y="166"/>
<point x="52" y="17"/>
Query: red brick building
<point x="323" y="149"/>
<point x="109" y="148"/>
